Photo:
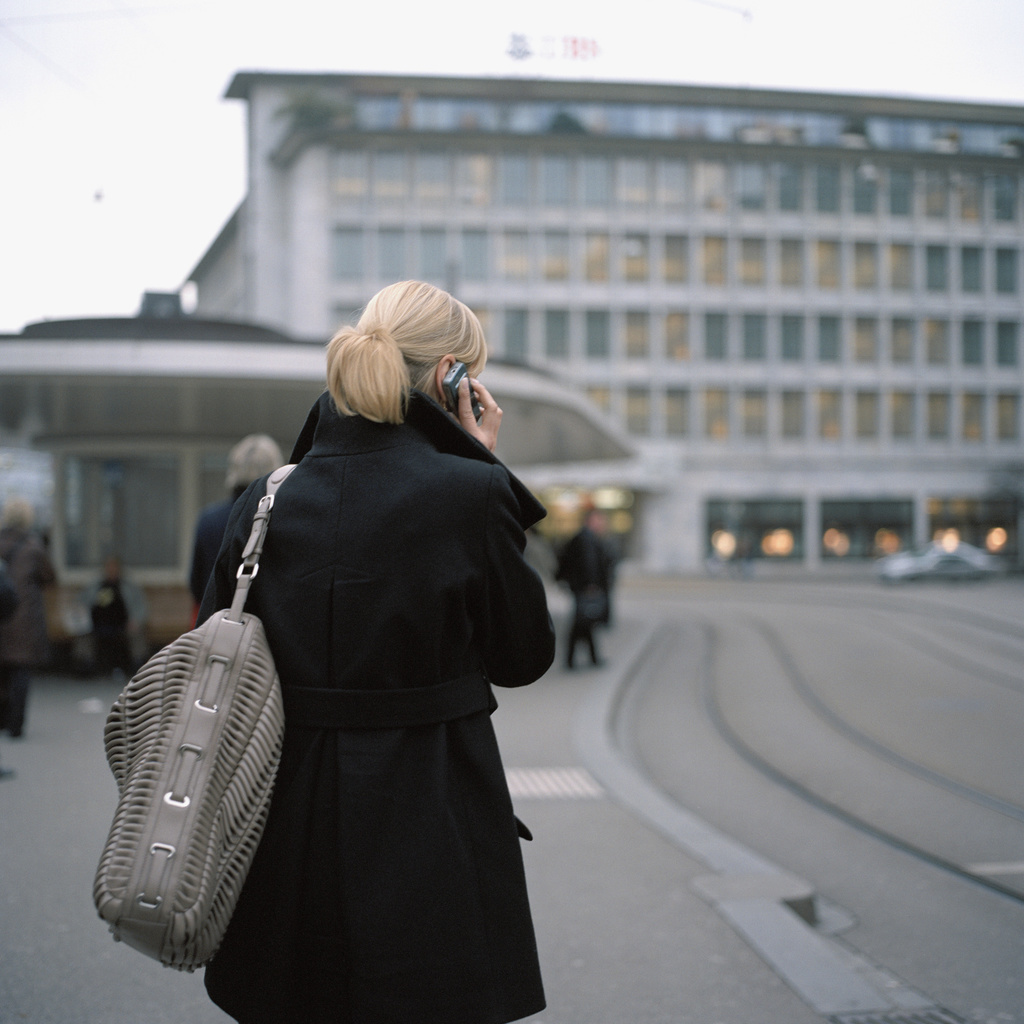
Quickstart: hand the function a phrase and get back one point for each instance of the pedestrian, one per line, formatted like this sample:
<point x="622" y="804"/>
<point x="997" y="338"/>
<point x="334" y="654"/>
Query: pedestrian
<point x="586" y="566"/>
<point x="24" y="639"/>
<point x="253" y="457"/>
<point x="388" y="886"/>
<point x="118" y="612"/>
<point x="8" y="604"/>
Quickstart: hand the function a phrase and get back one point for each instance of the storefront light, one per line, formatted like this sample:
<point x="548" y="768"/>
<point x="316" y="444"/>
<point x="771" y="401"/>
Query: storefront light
<point x="724" y="543"/>
<point x="995" y="539"/>
<point x="836" y="542"/>
<point x="778" y="543"/>
<point x="948" y="539"/>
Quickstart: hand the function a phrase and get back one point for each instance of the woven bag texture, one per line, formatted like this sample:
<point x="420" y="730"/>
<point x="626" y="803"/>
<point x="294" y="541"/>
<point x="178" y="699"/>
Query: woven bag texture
<point x="176" y="908"/>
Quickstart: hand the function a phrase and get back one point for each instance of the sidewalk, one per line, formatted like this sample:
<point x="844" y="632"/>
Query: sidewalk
<point x="625" y="937"/>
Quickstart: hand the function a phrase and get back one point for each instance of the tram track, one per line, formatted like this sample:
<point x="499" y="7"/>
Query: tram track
<point x="777" y="771"/>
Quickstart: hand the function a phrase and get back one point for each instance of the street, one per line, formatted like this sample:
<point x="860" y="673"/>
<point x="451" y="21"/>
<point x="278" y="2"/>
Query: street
<point x="779" y="802"/>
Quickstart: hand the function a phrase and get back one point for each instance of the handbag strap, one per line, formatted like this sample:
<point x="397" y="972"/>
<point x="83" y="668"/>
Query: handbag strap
<point x="254" y="546"/>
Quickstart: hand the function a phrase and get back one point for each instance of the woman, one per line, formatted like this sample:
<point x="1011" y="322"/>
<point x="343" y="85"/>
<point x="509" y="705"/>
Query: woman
<point x="388" y="887"/>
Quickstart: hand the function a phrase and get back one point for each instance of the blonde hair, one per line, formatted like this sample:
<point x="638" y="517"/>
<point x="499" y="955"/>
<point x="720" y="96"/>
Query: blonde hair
<point x="402" y="335"/>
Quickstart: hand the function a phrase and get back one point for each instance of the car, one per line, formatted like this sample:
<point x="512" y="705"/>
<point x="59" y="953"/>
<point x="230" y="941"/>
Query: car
<point x="938" y="562"/>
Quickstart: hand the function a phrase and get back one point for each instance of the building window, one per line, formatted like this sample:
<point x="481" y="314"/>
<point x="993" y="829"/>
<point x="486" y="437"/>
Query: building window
<point x="968" y="193"/>
<point x="791" y="263"/>
<point x="677" y="412"/>
<point x="901" y="410"/>
<point x="676" y="264"/>
<point x="938" y="415"/>
<point x="474" y="173"/>
<point x="865" y="529"/>
<point x="598" y="334"/>
<point x="716" y="413"/>
<point x="711" y="186"/>
<point x="634" y="182"/>
<point x="391" y="254"/>
<point x="826" y="188"/>
<point x="792" y="414"/>
<point x="1006" y="343"/>
<point x="829" y="340"/>
<point x="596" y="256"/>
<point x="474" y="255"/>
<point x="901" y="267"/>
<point x="936" y="342"/>
<point x="830" y="422"/>
<point x="865" y="190"/>
<point x="936" y="268"/>
<point x="792" y="328"/>
<point x="677" y="336"/>
<point x="936" y="194"/>
<point x="556" y="333"/>
<point x="433" y="255"/>
<point x="714" y="260"/>
<point x="1007" y="417"/>
<point x="125" y="504"/>
<point x="902" y="340"/>
<point x="789" y="181"/>
<point x="431" y="177"/>
<point x="672" y="184"/>
<point x="390" y="175"/>
<point x="555" y="181"/>
<point x="638" y="334"/>
<point x="754" y="347"/>
<point x="752" y="261"/>
<point x="556" y="256"/>
<point x="827" y="264"/>
<point x="865" y="265"/>
<point x="636" y="262"/>
<point x="1004" y="197"/>
<point x="972" y="343"/>
<point x="865" y="339"/>
<point x="772" y="528"/>
<point x="901" y="193"/>
<point x="715" y="339"/>
<point x="601" y="397"/>
<point x="515" y="256"/>
<point x="866" y="414"/>
<point x="348" y="254"/>
<point x="1006" y="271"/>
<point x="754" y="413"/>
<point x="349" y="175"/>
<point x="751" y="186"/>
<point x="972" y="416"/>
<point x="970" y="268"/>
<point x="638" y="411"/>
<point x="515" y="335"/>
<point x="514" y="179"/>
<point x="596" y="172"/>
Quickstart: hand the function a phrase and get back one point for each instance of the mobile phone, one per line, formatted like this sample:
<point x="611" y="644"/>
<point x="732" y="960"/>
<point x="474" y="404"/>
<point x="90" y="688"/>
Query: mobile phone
<point x="451" y="382"/>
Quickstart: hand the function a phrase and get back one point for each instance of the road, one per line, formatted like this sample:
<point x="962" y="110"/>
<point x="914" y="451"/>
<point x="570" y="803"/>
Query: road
<point x="751" y="748"/>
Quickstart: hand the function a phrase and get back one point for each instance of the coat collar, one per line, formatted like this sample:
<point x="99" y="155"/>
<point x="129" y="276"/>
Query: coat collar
<point x="327" y="432"/>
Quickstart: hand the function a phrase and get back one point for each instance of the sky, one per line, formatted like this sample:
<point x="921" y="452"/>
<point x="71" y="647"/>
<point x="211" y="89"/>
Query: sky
<point x="122" y="160"/>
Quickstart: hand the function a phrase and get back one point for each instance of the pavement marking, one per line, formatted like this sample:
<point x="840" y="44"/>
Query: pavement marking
<point x="1010" y="867"/>
<point x="552" y="784"/>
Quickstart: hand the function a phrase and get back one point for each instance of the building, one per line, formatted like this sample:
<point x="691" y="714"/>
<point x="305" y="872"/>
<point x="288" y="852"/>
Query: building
<point x="805" y="309"/>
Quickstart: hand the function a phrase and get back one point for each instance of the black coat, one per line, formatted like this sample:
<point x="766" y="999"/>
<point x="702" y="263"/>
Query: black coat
<point x="389" y="884"/>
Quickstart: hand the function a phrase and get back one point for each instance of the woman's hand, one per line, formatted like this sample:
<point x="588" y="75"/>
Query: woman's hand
<point x="486" y="431"/>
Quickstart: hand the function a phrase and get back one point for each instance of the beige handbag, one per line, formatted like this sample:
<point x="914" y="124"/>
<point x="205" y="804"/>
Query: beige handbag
<point x="194" y="742"/>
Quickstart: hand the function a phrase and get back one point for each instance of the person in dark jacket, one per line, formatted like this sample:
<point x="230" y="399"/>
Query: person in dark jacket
<point x="24" y="640"/>
<point x="586" y="566"/>
<point x="388" y="887"/>
<point x="254" y="456"/>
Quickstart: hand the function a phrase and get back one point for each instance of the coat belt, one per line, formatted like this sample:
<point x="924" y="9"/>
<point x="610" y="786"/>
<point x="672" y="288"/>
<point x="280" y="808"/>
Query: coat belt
<point x="321" y="708"/>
